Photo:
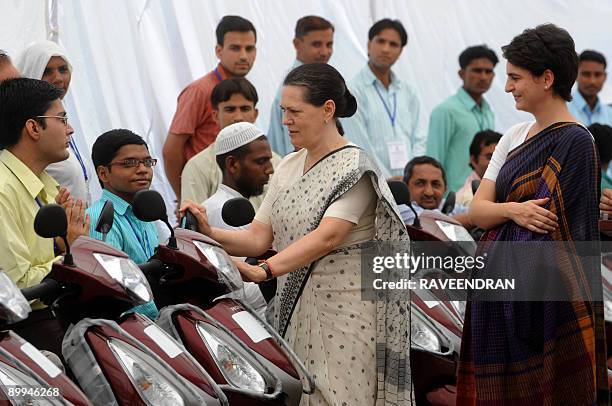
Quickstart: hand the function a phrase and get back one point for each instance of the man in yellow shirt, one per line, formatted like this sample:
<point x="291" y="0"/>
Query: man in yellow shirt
<point x="34" y="133"/>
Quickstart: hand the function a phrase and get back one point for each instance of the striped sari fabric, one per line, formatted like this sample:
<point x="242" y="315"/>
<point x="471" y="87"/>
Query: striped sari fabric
<point x="541" y="352"/>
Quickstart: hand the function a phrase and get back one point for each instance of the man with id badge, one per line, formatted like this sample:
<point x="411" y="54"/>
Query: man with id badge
<point x="388" y="123"/>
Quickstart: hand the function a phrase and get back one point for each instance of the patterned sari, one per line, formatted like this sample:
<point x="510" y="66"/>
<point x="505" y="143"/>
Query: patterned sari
<point x="357" y="350"/>
<point x="547" y="352"/>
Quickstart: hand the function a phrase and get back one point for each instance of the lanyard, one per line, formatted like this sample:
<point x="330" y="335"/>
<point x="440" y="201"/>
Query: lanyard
<point x="78" y="157"/>
<point x="142" y="241"/>
<point x="218" y="75"/>
<point x="387" y="109"/>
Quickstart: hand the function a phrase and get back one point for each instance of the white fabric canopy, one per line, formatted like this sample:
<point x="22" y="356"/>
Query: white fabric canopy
<point x="132" y="58"/>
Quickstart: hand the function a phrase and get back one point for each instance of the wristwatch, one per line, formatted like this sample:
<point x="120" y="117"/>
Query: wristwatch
<point x="266" y="267"/>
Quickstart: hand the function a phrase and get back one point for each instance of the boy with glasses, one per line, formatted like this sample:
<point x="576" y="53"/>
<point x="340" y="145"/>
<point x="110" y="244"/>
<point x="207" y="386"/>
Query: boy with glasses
<point x="124" y="166"/>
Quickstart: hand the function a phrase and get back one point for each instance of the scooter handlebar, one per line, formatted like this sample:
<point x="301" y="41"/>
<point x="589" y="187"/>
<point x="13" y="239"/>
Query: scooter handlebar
<point x="45" y="288"/>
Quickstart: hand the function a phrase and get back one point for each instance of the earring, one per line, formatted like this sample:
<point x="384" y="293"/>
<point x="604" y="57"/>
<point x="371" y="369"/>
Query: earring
<point x="325" y="120"/>
<point x="545" y="87"/>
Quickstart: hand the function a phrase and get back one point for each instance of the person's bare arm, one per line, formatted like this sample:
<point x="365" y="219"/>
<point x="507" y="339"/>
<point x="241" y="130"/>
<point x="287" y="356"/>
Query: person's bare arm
<point x="464" y="219"/>
<point x="330" y="233"/>
<point x="486" y="213"/>
<point x="174" y="160"/>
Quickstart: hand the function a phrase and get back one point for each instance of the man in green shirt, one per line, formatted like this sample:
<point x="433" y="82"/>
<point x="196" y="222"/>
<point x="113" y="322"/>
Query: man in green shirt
<point x="603" y="141"/>
<point x="34" y="133"/>
<point x="455" y="121"/>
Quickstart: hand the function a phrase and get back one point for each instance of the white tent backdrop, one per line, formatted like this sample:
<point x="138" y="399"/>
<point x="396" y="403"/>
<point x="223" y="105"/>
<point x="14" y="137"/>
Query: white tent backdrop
<point x="132" y="58"/>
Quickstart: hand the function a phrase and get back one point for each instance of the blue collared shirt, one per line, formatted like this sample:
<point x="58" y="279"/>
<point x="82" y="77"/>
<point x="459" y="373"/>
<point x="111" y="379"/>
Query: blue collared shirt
<point x="278" y="136"/>
<point x="138" y="239"/>
<point x="579" y="108"/>
<point x="386" y="116"/>
<point x="452" y="126"/>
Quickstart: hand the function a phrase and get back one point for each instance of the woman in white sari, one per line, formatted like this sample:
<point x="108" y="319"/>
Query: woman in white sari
<point x="325" y="203"/>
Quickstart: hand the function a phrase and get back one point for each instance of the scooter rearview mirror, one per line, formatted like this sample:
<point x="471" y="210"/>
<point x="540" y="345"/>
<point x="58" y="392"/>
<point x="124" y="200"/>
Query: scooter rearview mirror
<point x="238" y="212"/>
<point x="106" y="219"/>
<point x="401" y="194"/>
<point x="449" y="203"/>
<point x="149" y="205"/>
<point x="51" y="222"/>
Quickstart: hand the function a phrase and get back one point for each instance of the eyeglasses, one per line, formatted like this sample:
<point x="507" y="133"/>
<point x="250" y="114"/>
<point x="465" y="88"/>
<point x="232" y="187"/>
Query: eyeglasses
<point x="134" y="163"/>
<point x="64" y="119"/>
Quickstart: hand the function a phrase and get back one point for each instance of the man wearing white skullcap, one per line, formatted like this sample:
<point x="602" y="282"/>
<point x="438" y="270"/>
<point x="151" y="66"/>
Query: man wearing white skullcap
<point x="243" y="154"/>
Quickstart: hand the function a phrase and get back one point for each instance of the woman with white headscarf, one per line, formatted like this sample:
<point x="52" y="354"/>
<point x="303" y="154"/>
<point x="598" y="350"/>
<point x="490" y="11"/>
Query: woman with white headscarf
<point x="46" y="60"/>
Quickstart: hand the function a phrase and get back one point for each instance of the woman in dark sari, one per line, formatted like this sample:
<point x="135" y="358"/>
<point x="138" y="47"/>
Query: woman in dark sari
<point x="542" y="185"/>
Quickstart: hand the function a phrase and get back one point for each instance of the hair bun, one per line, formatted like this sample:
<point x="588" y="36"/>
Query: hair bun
<point x="350" y="105"/>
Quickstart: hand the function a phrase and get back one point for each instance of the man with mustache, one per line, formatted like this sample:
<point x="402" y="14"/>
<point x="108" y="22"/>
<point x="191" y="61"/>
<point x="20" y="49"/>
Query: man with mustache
<point x="313" y="42"/>
<point x="244" y="156"/>
<point x="454" y="122"/>
<point x="585" y="104"/>
<point x="389" y="122"/>
<point x="194" y="127"/>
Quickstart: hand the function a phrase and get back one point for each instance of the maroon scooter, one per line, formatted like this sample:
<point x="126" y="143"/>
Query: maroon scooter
<point x="436" y="335"/>
<point x="117" y="357"/>
<point x="242" y="352"/>
<point x="26" y="375"/>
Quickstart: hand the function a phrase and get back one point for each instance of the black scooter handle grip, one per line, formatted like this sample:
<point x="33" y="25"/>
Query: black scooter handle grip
<point x="151" y="267"/>
<point x="45" y="288"/>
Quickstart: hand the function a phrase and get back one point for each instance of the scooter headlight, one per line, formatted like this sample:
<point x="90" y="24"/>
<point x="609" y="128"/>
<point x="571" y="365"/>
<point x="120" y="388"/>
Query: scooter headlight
<point x="13" y="306"/>
<point x="453" y="231"/>
<point x="608" y="310"/>
<point x="17" y="381"/>
<point x="422" y="336"/>
<point x="459" y="307"/>
<point x="127" y="273"/>
<point x="236" y="370"/>
<point x="151" y="386"/>
<point x="228" y="274"/>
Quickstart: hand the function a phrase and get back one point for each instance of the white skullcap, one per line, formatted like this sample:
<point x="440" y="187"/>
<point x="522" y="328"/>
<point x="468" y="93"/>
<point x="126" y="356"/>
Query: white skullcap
<point x="236" y="135"/>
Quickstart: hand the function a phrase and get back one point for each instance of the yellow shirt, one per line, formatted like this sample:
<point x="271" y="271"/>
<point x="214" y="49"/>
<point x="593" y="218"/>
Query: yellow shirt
<point x="24" y="256"/>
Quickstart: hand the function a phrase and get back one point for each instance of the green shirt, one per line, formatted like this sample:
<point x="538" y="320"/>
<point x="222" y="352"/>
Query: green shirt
<point x="452" y="127"/>
<point x="24" y="256"/>
<point x="606" y="181"/>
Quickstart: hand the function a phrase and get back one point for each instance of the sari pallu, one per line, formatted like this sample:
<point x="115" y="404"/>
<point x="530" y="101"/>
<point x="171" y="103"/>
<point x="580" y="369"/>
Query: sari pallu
<point x="357" y="351"/>
<point x="546" y="352"/>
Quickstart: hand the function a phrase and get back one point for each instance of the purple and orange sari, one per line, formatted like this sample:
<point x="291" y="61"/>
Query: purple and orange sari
<point x="546" y="352"/>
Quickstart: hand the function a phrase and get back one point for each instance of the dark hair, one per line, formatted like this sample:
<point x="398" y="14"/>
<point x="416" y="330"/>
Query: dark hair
<point x="4" y="56"/>
<point x="106" y="146"/>
<point x="546" y="47"/>
<point x="307" y="24"/>
<point x="239" y="153"/>
<point x="422" y="160"/>
<point x="483" y="139"/>
<point x="322" y="82"/>
<point x="590" y="55"/>
<point x="386" y="23"/>
<point x="603" y="140"/>
<point x="229" y="87"/>
<point x="22" y="99"/>
<point x="233" y="24"/>
<point x="477" y="52"/>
